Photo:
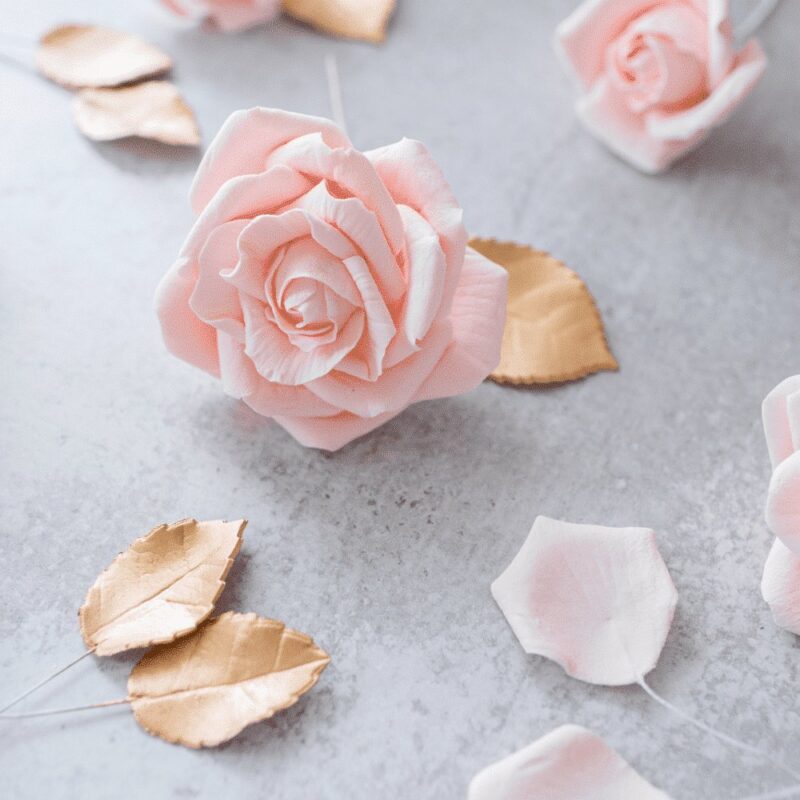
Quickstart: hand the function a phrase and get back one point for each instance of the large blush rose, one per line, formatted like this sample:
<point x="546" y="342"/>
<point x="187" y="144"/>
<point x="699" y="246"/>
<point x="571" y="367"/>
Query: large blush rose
<point x="227" y="15"/>
<point x="657" y="74"/>
<point x="326" y="287"/>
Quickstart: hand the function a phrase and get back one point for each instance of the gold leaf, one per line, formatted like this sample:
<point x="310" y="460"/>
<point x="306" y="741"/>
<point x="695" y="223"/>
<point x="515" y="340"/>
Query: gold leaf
<point x="235" y="670"/>
<point x="162" y="587"/>
<point x="151" y="110"/>
<point x="553" y="331"/>
<point x="79" y="56"/>
<point x="352" y="19"/>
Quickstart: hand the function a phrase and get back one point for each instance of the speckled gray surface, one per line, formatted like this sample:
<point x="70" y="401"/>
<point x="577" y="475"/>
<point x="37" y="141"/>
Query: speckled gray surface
<point x="385" y="550"/>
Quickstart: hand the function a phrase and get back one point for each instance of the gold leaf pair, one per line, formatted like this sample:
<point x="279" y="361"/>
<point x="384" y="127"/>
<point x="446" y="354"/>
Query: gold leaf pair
<point x="218" y="677"/>
<point x="102" y="63"/>
<point x="352" y="19"/>
<point x="553" y="329"/>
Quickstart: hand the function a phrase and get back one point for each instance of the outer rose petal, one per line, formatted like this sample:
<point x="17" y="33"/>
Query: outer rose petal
<point x="783" y="502"/>
<point x="780" y="413"/>
<point x="478" y="317"/>
<point x="696" y="121"/>
<point x="414" y="179"/>
<point x="570" y="763"/>
<point x="720" y="39"/>
<point x="245" y="142"/>
<point x="236" y="15"/>
<point x="332" y="433"/>
<point x="780" y="586"/>
<point x="584" y="36"/>
<point x="185" y="335"/>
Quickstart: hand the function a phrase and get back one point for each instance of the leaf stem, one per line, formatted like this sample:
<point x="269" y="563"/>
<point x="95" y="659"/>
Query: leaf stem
<point x="51" y="711"/>
<point x="335" y="91"/>
<point x="44" y="681"/>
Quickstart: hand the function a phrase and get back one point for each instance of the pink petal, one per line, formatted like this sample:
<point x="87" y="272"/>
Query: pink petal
<point x="352" y="176"/>
<point x="584" y="36"/>
<point x="606" y="114"/>
<point x="394" y="389"/>
<point x="331" y="433"/>
<point x="414" y="179"/>
<point x="245" y="143"/>
<point x="478" y="316"/>
<point x="780" y="586"/>
<point x="783" y="502"/>
<point x="780" y="413"/>
<point x="277" y="360"/>
<point x="570" y="763"/>
<point x="240" y="380"/>
<point x="720" y="41"/>
<point x="694" y="122"/>
<point x="236" y="15"/>
<point x="185" y="335"/>
<point x="599" y="601"/>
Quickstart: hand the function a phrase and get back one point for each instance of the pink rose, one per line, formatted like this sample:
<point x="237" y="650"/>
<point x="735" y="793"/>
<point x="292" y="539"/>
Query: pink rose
<point x="658" y="74"/>
<point x="228" y="15"/>
<point x="326" y="287"/>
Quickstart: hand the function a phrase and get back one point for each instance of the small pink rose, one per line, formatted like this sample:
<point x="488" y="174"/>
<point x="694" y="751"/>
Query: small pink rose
<point x="227" y="15"/>
<point x="657" y="74"/>
<point x="326" y="287"/>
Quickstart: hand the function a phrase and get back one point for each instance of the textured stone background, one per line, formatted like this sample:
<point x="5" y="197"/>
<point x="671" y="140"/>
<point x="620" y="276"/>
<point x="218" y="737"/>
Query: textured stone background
<point x="385" y="551"/>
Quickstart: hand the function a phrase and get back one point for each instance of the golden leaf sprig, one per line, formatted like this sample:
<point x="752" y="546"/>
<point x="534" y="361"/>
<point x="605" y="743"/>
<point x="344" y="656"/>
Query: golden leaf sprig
<point x="352" y="19"/>
<point x="204" y="680"/>
<point x="107" y="66"/>
<point x="553" y="330"/>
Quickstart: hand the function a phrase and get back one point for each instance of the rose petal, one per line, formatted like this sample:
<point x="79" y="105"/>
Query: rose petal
<point x="583" y="37"/>
<point x="478" y="316"/>
<point x="246" y="141"/>
<point x="780" y="586"/>
<point x="569" y="763"/>
<point x="780" y="413"/>
<point x="240" y="380"/>
<point x="414" y="179"/>
<point x="278" y="360"/>
<point x="783" y="502"/>
<point x="720" y="40"/>
<point x="606" y="114"/>
<point x="331" y="433"/>
<point x="598" y="601"/>
<point x="184" y="334"/>
<point x="695" y="121"/>
<point x="394" y="389"/>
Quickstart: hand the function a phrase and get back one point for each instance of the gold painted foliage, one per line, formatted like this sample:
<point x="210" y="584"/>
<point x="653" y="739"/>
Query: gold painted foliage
<point x="235" y="670"/>
<point x="553" y="329"/>
<point x="162" y="587"/>
<point x="351" y="19"/>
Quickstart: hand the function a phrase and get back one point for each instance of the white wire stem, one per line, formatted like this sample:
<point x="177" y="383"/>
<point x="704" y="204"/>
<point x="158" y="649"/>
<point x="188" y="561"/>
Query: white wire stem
<point x="44" y="681"/>
<point x="49" y="712"/>
<point x="778" y="794"/>
<point x="756" y="18"/>
<point x="335" y="91"/>
<point x="723" y="737"/>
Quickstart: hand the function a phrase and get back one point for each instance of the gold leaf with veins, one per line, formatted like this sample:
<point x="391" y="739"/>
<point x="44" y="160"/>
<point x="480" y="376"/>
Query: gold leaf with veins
<point x="352" y="19"/>
<point x="79" y="56"/>
<point x="553" y="330"/>
<point x="235" y="670"/>
<point x="162" y="587"/>
<point x="150" y="110"/>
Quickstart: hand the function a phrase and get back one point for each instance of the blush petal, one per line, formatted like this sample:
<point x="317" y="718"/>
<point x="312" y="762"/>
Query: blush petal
<point x="331" y="433"/>
<point x="569" y="763"/>
<point x="245" y="143"/>
<point x="783" y="502"/>
<point x="478" y="316"/>
<point x="780" y="413"/>
<point x="599" y="601"/>
<point x="780" y="586"/>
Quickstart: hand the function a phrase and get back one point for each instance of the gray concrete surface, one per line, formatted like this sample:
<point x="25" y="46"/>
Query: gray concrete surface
<point x="385" y="551"/>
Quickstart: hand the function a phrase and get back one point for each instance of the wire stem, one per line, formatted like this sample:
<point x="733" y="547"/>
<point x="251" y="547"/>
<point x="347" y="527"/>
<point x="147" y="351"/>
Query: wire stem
<point x="44" y="681"/>
<point x="48" y="712"/>
<point x="757" y="17"/>
<point x="335" y="91"/>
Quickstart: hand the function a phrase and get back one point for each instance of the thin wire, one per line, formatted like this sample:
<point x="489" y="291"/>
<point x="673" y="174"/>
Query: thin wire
<point x="335" y="91"/>
<point x="44" y="681"/>
<point x="789" y="791"/>
<point x="757" y="17"/>
<point x="50" y="711"/>
<point x="723" y="737"/>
